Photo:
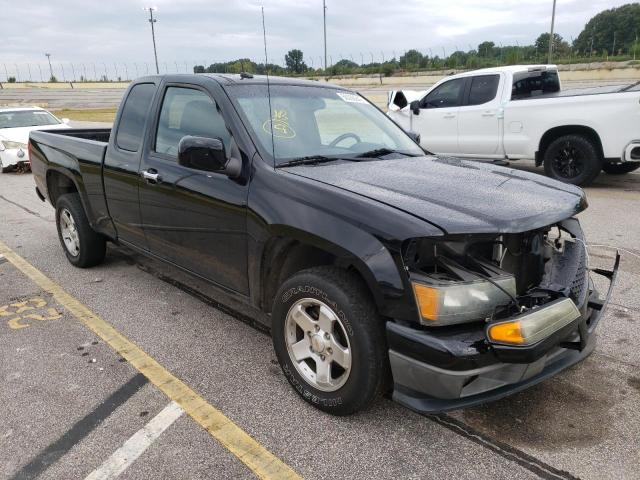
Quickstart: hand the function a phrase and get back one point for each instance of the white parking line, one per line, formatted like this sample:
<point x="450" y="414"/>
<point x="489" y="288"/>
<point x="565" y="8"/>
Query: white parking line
<point x="137" y="444"/>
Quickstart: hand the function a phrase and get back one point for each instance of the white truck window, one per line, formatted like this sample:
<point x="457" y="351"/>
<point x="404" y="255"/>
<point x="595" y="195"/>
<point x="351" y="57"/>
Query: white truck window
<point x="534" y="83"/>
<point x="483" y="89"/>
<point x="446" y="95"/>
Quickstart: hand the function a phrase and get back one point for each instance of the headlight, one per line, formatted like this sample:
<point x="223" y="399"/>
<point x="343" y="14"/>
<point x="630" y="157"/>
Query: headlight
<point x="449" y="304"/>
<point x="536" y="325"/>
<point x="9" y="145"/>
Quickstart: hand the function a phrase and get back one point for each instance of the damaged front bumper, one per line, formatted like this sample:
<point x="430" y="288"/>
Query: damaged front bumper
<point x="439" y="370"/>
<point x="15" y="158"/>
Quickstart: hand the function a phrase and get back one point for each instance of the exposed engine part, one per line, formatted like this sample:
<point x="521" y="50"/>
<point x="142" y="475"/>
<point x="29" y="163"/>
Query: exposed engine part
<point x="547" y="264"/>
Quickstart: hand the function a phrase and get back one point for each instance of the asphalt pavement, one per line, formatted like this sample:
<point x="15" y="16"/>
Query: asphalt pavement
<point x="74" y="405"/>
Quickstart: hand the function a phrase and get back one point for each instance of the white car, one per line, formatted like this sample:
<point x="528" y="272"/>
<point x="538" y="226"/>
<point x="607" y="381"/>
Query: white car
<point x="520" y="112"/>
<point x="15" y="125"/>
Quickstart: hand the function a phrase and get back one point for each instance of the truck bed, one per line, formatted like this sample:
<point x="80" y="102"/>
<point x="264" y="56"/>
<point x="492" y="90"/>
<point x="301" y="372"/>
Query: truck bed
<point x="578" y="92"/>
<point x="83" y="145"/>
<point x="78" y="155"/>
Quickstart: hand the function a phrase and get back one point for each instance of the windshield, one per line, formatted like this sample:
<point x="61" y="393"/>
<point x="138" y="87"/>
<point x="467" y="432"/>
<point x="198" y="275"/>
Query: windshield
<point x="26" y="118"/>
<point x="318" y="122"/>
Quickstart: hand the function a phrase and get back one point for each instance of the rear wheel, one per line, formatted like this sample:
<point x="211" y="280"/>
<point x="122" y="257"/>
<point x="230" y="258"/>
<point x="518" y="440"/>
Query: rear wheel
<point x="81" y="244"/>
<point x="573" y="159"/>
<point x="620" y="168"/>
<point x="329" y="340"/>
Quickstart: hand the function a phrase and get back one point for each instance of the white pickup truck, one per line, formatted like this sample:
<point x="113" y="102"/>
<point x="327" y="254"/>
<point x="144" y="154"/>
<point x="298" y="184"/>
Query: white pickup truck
<point x="520" y="112"/>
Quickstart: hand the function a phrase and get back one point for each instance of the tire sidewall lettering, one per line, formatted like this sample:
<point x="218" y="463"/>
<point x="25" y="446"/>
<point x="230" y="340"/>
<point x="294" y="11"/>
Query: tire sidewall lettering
<point x="324" y="297"/>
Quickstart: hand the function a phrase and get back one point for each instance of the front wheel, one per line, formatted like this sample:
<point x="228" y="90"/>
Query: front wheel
<point x="620" y="168"/>
<point x="572" y="159"/>
<point x="329" y="340"/>
<point x="83" y="246"/>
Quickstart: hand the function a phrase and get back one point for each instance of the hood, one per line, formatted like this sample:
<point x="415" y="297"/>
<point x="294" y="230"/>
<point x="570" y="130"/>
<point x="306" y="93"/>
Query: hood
<point x="458" y="196"/>
<point x="21" y="134"/>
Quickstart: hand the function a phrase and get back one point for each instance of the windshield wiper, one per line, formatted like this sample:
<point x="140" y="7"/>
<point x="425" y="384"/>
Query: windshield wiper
<point x="381" y="152"/>
<point x="309" y="160"/>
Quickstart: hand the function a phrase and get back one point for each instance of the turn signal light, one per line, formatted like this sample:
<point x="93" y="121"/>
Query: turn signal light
<point x="428" y="301"/>
<point x="509" y="332"/>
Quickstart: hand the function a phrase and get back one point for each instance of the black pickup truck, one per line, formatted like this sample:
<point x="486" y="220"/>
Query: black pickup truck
<point x="377" y="266"/>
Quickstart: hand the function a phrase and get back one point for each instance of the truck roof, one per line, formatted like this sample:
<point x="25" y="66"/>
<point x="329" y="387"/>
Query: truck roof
<point x="229" y="79"/>
<point x="508" y="69"/>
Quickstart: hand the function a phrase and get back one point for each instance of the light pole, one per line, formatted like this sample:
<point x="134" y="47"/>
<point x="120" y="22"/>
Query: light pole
<point x="324" y="19"/>
<point x="553" y="20"/>
<point x="153" y="34"/>
<point x="48" y="55"/>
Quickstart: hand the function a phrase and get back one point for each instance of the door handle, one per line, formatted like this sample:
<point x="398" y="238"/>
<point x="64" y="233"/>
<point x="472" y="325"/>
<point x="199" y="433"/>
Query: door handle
<point x="449" y="115"/>
<point x="489" y="113"/>
<point x="151" y="175"/>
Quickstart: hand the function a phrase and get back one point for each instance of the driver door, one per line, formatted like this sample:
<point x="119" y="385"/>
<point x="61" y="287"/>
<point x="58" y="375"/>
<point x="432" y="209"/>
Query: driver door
<point x="438" y="119"/>
<point x="192" y="218"/>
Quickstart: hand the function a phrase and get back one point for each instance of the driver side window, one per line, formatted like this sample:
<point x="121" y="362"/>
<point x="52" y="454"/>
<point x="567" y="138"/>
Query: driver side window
<point x="446" y="95"/>
<point x="187" y="111"/>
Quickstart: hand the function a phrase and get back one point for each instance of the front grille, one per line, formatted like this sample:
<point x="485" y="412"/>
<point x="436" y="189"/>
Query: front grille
<point x="580" y="283"/>
<point x="566" y="271"/>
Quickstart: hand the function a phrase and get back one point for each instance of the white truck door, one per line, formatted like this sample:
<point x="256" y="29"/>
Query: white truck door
<point x="437" y="122"/>
<point x="479" y="123"/>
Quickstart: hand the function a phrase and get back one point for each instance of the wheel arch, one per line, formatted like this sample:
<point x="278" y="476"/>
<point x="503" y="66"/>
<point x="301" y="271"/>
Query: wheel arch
<point x="58" y="184"/>
<point x="291" y="250"/>
<point x="556" y="132"/>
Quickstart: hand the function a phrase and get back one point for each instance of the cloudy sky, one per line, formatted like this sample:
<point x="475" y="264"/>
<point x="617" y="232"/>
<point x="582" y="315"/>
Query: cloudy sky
<point x="204" y="31"/>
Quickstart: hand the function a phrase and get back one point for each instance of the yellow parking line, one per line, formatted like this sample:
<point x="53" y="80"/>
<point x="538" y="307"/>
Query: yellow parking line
<point x="260" y="460"/>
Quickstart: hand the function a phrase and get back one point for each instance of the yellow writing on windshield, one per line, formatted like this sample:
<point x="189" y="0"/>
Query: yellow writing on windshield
<point x="281" y="127"/>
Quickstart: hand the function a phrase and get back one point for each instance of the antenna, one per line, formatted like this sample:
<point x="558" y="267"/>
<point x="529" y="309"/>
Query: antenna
<point x="266" y="68"/>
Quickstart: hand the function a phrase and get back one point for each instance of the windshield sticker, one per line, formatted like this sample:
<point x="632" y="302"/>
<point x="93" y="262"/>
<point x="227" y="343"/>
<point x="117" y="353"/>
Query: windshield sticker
<point x="281" y="127"/>
<point x="351" y="97"/>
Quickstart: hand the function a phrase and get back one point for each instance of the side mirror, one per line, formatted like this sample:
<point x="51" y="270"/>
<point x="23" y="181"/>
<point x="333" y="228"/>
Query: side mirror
<point x="414" y="136"/>
<point x="207" y="154"/>
<point x="65" y="121"/>
<point x="415" y="107"/>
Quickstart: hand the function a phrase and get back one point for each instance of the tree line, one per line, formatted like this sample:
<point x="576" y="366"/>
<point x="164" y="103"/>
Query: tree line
<point x="610" y="35"/>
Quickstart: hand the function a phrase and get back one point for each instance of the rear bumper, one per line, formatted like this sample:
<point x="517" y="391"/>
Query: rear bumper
<point x="460" y="368"/>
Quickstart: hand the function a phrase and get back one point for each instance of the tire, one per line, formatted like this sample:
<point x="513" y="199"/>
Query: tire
<point x="71" y="221"/>
<point x="620" y="168"/>
<point x="329" y="295"/>
<point x="573" y="159"/>
<point x="7" y="169"/>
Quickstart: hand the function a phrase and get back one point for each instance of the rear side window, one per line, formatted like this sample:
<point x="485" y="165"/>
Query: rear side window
<point x="446" y="95"/>
<point x="134" y="114"/>
<point x="532" y="84"/>
<point x="483" y="89"/>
